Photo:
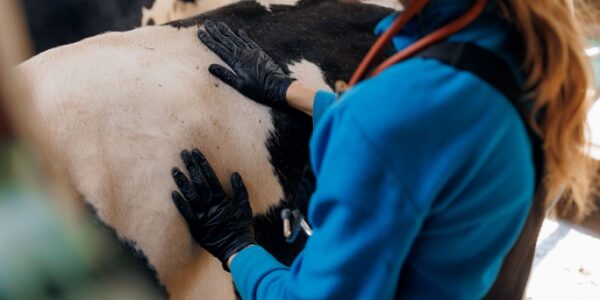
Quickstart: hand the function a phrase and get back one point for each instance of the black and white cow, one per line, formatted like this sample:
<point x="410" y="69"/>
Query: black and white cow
<point x="115" y="110"/>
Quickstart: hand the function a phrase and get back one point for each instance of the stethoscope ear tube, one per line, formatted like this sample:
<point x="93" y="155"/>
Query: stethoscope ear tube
<point x="412" y="10"/>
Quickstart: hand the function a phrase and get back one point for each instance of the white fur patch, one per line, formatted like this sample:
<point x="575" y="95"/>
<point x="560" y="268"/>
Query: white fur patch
<point x="268" y="3"/>
<point x="310" y="74"/>
<point x="393" y="4"/>
<point x="164" y="11"/>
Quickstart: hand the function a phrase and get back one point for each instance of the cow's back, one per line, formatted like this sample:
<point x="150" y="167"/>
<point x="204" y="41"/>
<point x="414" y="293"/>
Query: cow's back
<point x="118" y="131"/>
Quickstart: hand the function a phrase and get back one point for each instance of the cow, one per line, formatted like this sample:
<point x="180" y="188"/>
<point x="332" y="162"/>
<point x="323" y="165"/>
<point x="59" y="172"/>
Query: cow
<point x="116" y="109"/>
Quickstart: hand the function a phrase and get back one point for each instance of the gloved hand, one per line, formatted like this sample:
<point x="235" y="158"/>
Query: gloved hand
<point x="256" y="75"/>
<point x="221" y="225"/>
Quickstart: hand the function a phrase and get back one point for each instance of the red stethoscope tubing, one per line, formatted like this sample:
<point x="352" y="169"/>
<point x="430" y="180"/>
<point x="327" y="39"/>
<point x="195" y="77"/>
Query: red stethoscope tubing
<point x="412" y="9"/>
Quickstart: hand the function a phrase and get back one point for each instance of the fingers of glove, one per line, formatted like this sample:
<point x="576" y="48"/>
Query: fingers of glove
<point x="221" y="51"/>
<point x="183" y="207"/>
<point x="219" y="36"/>
<point x="216" y="190"/>
<point x="241" y="194"/>
<point x="250" y="42"/>
<point x="231" y="35"/>
<point x="226" y="76"/>
<point x="196" y="175"/>
<point x="186" y="188"/>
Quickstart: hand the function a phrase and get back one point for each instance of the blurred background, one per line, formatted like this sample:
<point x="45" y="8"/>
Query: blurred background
<point x="59" y="22"/>
<point x="50" y="246"/>
<point x="49" y="250"/>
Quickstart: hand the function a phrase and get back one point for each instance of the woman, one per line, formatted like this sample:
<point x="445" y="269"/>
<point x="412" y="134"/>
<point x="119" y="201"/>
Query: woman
<point x="425" y="172"/>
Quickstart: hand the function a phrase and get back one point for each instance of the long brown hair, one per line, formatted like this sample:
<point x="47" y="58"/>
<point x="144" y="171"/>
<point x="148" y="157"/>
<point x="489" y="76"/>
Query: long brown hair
<point x="561" y="85"/>
<point x="560" y="82"/>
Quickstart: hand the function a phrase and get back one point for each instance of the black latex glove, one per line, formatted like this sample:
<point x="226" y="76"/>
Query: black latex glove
<point x="221" y="225"/>
<point x="256" y="75"/>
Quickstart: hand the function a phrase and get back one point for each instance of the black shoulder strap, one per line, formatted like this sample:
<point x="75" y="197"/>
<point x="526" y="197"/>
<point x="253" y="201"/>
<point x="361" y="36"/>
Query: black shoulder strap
<point x="491" y="68"/>
<point x="480" y="61"/>
<point x="494" y="70"/>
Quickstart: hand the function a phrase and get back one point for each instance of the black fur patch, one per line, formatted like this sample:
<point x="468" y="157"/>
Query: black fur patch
<point x="130" y="256"/>
<point x="335" y="36"/>
<point x="332" y="35"/>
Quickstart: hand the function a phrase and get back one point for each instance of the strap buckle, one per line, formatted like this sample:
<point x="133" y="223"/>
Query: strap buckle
<point x="293" y="223"/>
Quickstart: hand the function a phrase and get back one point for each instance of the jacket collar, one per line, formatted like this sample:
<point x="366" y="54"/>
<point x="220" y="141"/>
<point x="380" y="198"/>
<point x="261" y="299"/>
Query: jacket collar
<point x="435" y="15"/>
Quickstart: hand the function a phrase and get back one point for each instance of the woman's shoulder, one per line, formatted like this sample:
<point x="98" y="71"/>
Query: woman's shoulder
<point x="424" y="94"/>
<point x="423" y="116"/>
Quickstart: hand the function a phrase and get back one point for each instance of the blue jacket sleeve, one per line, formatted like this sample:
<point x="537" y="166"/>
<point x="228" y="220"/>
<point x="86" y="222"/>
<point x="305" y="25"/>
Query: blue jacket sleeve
<point x="323" y="100"/>
<point x="363" y="227"/>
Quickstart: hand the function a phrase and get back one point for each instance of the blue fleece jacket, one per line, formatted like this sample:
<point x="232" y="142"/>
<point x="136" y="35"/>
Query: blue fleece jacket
<point x="424" y="180"/>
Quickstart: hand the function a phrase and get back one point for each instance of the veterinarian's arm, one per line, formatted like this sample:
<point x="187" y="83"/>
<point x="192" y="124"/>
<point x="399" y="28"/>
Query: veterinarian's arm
<point x="364" y="225"/>
<point x="301" y="97"/>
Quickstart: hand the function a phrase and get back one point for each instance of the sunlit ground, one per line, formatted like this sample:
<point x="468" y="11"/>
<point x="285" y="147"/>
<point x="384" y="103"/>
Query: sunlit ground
<point x="566" y="264"/>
